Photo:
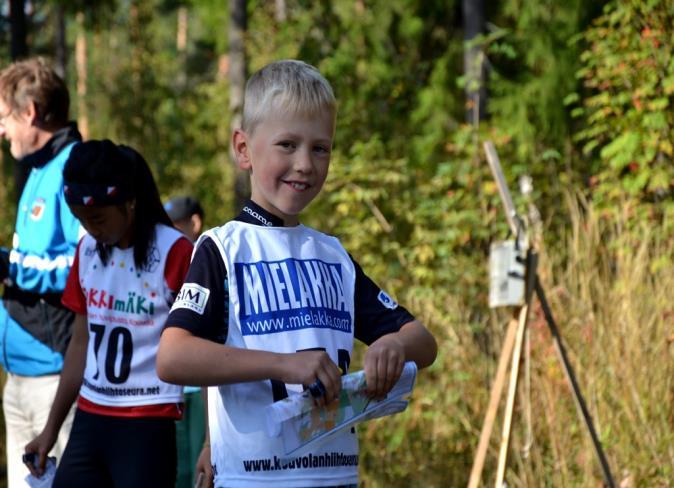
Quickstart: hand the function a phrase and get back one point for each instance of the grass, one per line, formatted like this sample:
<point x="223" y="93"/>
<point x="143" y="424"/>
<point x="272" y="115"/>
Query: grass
<point x="610" y="290"/>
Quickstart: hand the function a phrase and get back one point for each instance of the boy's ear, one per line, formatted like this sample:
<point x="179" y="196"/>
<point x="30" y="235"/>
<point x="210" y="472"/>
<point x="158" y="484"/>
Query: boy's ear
<point x="241" y="149"/>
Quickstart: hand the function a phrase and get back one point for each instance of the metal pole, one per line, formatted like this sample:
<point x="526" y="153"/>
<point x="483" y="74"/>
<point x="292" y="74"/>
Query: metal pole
<point x="497" y="172"/>
<point x="570" y="375"/>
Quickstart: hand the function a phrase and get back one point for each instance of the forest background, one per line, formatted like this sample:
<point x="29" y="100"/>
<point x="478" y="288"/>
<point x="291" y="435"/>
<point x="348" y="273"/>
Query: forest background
<point x="576" y="95"/>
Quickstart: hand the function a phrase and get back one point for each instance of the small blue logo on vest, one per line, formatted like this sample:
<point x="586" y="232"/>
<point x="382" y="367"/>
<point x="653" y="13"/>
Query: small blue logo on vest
<point x="386" y="300"/>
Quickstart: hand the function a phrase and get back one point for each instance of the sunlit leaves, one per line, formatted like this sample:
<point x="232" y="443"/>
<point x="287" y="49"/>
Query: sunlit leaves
<point x="628" y="71"/>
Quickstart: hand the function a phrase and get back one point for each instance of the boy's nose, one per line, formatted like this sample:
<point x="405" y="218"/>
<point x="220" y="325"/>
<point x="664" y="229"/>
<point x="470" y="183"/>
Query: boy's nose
<point x="303" y="161"/>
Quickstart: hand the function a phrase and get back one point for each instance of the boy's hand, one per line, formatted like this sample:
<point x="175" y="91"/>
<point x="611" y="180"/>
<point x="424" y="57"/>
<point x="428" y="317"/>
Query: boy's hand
<point x="204" y="470"/>
<point x="308" y="366"/>
<point x="384" y="361"/>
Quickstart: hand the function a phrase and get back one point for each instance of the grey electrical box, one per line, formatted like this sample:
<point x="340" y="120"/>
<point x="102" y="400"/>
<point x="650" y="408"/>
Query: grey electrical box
<point x="506" y="273"/>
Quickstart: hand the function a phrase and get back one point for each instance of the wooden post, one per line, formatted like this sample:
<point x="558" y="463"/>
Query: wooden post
<point x="515" y="369"/>
<point x="494" y="400"/>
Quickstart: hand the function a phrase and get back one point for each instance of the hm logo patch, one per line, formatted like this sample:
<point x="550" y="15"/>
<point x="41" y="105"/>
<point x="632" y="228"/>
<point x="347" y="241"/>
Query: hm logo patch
<point x="192" y="297"/>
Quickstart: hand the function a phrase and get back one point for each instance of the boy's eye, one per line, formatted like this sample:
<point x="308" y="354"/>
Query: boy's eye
<point x="286" y="144"/>
<point x="321" y="149"/>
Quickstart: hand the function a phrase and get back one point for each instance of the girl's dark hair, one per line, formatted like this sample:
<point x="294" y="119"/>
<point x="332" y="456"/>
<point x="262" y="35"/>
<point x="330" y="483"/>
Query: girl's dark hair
<point x="106" y="163"/>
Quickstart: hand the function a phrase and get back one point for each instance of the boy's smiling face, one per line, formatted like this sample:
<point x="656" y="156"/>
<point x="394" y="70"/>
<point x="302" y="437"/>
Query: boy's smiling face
<point x="288" y="156"/>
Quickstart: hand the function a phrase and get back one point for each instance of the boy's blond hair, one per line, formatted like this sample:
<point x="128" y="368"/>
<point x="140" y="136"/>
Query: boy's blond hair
<point x="289" y="87"/>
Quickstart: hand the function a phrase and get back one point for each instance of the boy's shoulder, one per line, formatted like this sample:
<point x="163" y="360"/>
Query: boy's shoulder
<point x="236" y="225"/>
<point x="209" y="245"/>
<point x="217" y="233"/>
<point x="240" y="233"/>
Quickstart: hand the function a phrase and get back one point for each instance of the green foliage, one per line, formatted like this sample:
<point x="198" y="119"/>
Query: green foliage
<point x="533" y="65"/>
<point x="628" y="73"/>
<point x="173" y="103"/>
<point x="580" y="107"/>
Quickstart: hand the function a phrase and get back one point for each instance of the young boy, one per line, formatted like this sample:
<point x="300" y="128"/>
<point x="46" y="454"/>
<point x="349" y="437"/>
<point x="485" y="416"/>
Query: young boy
<point x="271" y="307"/>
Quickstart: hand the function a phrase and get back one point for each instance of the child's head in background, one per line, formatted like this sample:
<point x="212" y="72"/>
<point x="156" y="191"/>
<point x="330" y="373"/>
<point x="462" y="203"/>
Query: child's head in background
<point x="286" y="136"/>
<point x="187" y="215"/>
<point x="110" y="189"/>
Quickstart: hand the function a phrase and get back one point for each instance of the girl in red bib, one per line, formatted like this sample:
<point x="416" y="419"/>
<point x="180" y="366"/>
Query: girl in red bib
<point x="126" y="273"/>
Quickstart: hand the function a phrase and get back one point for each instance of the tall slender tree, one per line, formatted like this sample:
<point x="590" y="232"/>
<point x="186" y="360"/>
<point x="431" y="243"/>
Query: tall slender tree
<point x="181" y="45"/>
<point x="18" y="50"/>
<point x="60" y="42"/>
<point x="280" y="11"/>
<point x="238" y="21"/>
<point x="81" y="61"/>
<point x="473" y="60"/>
<point x="18" y="28"/>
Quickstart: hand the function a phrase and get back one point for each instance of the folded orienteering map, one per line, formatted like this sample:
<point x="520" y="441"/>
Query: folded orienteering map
<point x="304" y="426"/>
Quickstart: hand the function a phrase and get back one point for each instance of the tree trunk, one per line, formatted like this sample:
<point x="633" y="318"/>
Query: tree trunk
<point x="135" y="38"/>
<point x="60" y="45"/>
<point x="181" y="32"/>
<point x="473" y="61"/>
<point x="181" y="47"/>
<point x="18" y="27"/>
<point x="81" y="61"/>
<point x="237" y="81"/>
<point x="18" y="50"/>
<point x="281" y="14"/>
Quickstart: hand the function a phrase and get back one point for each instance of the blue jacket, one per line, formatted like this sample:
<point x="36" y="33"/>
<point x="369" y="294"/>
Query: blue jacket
<point x="34" y="327"/>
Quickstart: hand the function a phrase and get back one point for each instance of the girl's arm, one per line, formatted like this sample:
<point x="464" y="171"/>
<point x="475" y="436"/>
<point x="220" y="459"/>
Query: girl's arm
<point x="385" y="358"/>
<point x="66" y="393"/>
<point x="185" y="359"/>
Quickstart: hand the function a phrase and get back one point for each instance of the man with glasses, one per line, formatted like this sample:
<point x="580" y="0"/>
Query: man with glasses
<point x="34" y="327"/>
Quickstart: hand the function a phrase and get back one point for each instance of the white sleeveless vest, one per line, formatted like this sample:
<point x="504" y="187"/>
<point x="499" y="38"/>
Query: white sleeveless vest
<point x="290" y="289"/>
<point x="126" y="312"/>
